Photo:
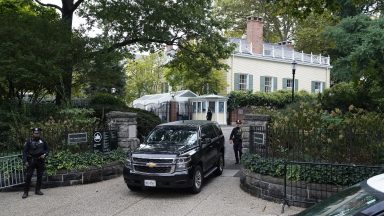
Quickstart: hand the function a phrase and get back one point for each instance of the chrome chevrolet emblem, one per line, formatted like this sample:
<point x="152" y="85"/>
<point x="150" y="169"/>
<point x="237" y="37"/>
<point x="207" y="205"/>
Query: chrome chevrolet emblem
<point x="151" y="165"/>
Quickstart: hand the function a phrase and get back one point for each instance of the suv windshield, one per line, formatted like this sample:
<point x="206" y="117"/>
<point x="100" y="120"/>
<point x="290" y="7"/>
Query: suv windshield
<point x="180" y="136"/>
<point x="348" y="202"/>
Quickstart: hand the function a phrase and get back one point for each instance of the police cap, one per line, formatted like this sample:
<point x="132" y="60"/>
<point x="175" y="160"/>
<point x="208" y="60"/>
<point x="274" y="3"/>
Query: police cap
<point x="36" y="130"/>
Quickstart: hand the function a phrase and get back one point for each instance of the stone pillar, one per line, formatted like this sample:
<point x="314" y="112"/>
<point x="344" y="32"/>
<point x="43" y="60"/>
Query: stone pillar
<point x="173" y="111"/>
<point x="125" y="124"/>
<point x="255" y="120"/>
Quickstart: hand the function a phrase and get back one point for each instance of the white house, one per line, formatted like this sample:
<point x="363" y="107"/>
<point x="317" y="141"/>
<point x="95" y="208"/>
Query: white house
<point x="259" y="66"/>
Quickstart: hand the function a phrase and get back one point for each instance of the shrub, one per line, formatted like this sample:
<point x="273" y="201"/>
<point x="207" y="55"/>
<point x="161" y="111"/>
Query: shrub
<point x="146" y="121"/>
<point x="276" y="100"/>
<point x="343" y="95"/>
<point x="343" y="175"/>
<point x="66" y="160"/>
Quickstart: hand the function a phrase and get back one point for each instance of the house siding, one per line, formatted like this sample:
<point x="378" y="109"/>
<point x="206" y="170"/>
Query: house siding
<point x="259" y="67"/>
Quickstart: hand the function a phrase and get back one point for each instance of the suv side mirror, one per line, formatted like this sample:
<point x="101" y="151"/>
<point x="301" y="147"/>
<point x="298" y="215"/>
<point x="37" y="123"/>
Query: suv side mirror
<point x="206" y="141"/>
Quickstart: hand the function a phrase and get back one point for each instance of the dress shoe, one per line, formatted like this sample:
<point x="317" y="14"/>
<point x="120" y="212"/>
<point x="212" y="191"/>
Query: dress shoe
<point x="39" y="193"/>
<point x="25" y="195"/>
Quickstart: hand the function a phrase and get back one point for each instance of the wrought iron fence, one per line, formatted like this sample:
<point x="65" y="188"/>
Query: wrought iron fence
<point x="328" y="159"/>
<point x="11" y="171"/>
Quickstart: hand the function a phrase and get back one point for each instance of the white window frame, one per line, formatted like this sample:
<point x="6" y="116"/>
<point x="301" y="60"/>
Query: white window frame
<point x="289" y="84"/>
<point x="243" y="86"/>
<point x="268" y="87"/>
<point x="319" y="85"/>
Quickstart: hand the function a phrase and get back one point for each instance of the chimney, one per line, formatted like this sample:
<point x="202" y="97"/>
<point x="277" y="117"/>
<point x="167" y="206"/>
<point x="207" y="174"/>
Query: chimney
<point x="255" y="34"/>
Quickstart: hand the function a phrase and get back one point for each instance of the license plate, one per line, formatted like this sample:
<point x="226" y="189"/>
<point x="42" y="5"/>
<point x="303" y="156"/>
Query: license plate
<point x="150" y="183"/>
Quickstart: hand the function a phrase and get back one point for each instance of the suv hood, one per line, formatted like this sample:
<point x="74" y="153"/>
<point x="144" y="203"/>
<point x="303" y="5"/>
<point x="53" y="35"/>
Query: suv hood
<point x="162" y="148"/>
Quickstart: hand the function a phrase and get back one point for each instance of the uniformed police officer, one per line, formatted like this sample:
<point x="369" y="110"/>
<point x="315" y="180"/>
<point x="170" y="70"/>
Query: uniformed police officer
<point x="236" y="139"/>
<point x="34" y="154"/>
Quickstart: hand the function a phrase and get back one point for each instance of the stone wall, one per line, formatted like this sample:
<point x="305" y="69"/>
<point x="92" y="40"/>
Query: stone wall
<point x="299" y="193"/>
<point x="126" y="126"/>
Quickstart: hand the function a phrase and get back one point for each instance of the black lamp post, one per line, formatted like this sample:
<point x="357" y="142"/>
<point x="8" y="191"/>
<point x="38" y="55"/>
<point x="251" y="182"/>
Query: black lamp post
<point x="293" y="79"/>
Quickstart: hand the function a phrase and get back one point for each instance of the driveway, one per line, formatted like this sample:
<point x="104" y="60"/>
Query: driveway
<point x="219" y="196"/>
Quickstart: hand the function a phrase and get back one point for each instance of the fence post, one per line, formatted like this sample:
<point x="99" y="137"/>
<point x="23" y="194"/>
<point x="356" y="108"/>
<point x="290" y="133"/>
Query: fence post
<point x="285" y="201"/>
<point x="251" y="139"/>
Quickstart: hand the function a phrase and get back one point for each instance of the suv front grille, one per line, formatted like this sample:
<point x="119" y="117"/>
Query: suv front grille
<point x="154" y="160"/>
<point x="146" y="169"/>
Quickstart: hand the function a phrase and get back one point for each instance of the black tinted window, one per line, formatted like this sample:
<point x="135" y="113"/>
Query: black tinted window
<point x="217" y="130"/>
<point x="207" y="131"/>
<point x="173" y="135"/>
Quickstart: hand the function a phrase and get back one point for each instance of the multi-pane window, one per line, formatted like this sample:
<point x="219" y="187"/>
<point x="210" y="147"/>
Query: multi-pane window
<point x="289" y="84"/>
<point x="221" y="107"/>
<point x="243" y="82"/>
<point x="268" y="84"/>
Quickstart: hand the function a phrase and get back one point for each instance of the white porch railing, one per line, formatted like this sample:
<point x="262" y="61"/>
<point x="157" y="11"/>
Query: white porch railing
<point x="283" y="52"/>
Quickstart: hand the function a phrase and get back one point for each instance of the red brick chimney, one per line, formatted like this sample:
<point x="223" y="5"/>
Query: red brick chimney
<point x="255" y="34"/>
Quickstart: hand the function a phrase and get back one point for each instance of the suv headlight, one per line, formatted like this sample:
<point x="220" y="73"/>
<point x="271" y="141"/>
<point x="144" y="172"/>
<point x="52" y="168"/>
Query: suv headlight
<point x="182" y="163"/>
<point x="128" y="161"/>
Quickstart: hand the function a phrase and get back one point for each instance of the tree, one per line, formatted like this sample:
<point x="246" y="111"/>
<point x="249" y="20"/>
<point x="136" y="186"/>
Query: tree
<point x="30" y="50"/>
<point x="199" y="66"/>
<point x="358" y="50"/>
<point x="341" y="8"/>
<point x="278" y="25"/>
<point x="145" y="75"/>
<point x="144" y="25"/>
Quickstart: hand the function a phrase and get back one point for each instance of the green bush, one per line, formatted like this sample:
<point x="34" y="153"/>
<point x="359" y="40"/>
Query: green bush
<point x="342" y="175"/>
<point x="343" y="95"/>
<point x="104" y="103"/>
<point x="278" y="99"/>
<point x="66" y="160"/>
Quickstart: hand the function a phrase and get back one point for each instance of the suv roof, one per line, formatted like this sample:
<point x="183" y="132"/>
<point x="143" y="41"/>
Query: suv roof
<point x="190" y="123"/>
<point x="377" y="182"/>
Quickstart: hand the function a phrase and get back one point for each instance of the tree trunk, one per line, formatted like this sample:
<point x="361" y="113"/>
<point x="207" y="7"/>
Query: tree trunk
<point x="64" y="96"/>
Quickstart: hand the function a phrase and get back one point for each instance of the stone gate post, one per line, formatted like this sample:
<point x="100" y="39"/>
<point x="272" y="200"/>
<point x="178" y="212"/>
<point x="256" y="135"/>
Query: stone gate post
<point x="255" y="122"/>
<point x="125" y="124"/>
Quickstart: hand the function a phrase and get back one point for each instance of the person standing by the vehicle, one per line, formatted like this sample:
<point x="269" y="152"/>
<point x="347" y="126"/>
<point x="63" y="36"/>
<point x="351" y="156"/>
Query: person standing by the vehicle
<point x="236" y="139"/>
<point x="34" y="154"/>
<point x="209" y="115"/>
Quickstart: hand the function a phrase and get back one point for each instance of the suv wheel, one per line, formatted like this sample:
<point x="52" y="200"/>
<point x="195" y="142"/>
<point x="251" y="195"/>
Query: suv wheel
<point x="220" y="165"/>
<point x="197" y="180"/>
<point x="133" y="188"/>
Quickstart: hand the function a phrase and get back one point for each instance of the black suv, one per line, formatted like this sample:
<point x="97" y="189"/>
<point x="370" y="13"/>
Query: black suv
<point x="176" y="155"/>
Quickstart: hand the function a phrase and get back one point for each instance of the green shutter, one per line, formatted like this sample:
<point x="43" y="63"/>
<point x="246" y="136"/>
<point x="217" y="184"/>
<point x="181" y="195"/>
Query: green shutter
<point x="237" y="81"/>
<point x="262" y="83"/>
<point x="313" y="86"/>
<point x="296" y="85"/>
<point x="284" y="83"/>
<point x="323" y="83"/>
<point x="250" y="82"/>
<point x="274" y="84"/>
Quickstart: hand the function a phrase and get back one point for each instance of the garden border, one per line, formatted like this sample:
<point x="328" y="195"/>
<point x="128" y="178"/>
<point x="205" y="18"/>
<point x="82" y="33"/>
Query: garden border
<point x="90" y="175"/>
<point x="272" y="189"/>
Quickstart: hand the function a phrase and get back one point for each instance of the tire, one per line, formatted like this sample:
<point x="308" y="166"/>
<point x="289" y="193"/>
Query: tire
<point x="197" y="180"/>
<point x="134" y="188"/>
<point x="220" y="165"/>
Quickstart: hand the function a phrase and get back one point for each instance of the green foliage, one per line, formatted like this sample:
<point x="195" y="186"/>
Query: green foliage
<point x="31" y="49"/>
<point x="277" y="23"/>
<point x="342" y="96"/>
<point x="277" y="99"/>
<point x="341" y="175"/>
<point x="199" y="65"/>
<point x="305" y="131"/>
<point x="145" y="76"/>
<point x="66" y="160"/>
<point x="104" y="103"/>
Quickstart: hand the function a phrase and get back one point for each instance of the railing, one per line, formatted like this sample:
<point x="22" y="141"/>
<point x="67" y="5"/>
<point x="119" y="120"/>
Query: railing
<point x="283" y="52"/>
<point x="11" y="171"/>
